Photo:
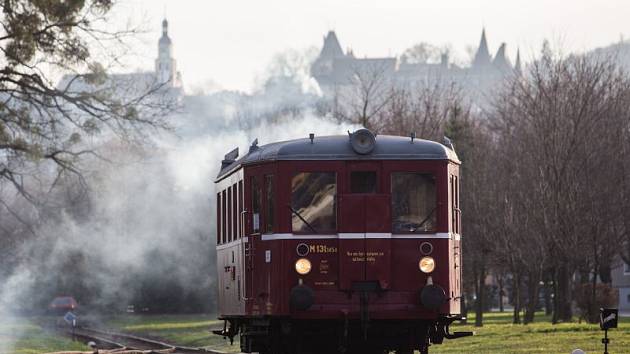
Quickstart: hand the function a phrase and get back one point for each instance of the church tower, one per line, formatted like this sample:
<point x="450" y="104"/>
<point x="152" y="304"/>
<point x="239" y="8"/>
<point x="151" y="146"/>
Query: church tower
<point x="165" y="64"/>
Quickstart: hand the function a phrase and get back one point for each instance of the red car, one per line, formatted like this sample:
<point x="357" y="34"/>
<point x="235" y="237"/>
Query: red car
<point x="340" y="244"/>
<point x="63" y="304"/>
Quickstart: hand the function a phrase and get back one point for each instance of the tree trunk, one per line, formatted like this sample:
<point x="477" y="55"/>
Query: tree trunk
<point x="516" y="293"/>
<point x="501" y="292"/>
<point x="548" y="305"/>
<point x="592" y="306"/>
<point x="533" y="287"/>
<point x="464" y="310"/>
<point x="479" y="292"/>
<point x="565" y="313"/>
<point x="555" y="318"/>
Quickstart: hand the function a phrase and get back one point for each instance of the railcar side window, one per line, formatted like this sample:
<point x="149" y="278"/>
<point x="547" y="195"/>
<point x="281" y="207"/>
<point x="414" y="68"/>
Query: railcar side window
<point x="459" y="213"/>
<point x="455" y="205"/>
<point x="363" y="182"/>
<point x="223" y="217"/>
<point x="256" y="199"/>
<point x="413" y="202"/>
<point x="241" y="207"/>
<point x="269" y="201"/>
<point x="235" y="214"/>
<point x="228" y="211"/>
<point x="313" y="208"/>
<point x="219" y="231"/>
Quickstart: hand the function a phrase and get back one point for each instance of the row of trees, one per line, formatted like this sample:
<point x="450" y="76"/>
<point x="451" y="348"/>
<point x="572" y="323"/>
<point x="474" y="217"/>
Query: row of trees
<point x="558" y="217"/>
<point x="545" y="174"/>
<point x="546" y="157"/>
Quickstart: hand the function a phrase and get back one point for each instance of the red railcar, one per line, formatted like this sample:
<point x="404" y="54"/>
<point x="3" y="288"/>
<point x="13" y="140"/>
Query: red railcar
<point x="339" y="244"/>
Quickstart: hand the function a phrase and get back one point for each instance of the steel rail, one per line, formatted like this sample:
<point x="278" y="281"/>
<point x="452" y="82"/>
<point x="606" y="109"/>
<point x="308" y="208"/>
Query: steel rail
<point x="122" y="343"/>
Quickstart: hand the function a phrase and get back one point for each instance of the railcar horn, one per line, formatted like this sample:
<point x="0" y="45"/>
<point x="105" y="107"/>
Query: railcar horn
<point x="362" y="141"/>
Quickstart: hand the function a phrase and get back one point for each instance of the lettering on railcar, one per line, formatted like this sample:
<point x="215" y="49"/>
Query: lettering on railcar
<point x="324" y="283"/>
<point x="359" y="256"/>
<point x="322" y="249"/>
<point x="323" y="266"/>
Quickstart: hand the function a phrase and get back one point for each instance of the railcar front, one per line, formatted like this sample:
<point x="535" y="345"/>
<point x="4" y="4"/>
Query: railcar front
<point x="342" y="244"/>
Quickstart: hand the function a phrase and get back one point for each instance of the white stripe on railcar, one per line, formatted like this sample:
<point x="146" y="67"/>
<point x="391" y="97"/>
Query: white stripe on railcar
<point x="358" y="236"/>
<point x="232" y="244"/>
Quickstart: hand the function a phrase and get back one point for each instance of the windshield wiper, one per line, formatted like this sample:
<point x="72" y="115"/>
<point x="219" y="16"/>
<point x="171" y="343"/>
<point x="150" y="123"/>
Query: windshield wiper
<point x="425" y="220"/>
<point x="301" y="218"/>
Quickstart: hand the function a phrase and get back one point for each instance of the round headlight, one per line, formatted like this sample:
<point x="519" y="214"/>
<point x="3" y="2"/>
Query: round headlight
<point x="427" y="264"/>
<point x="303" y="266"/>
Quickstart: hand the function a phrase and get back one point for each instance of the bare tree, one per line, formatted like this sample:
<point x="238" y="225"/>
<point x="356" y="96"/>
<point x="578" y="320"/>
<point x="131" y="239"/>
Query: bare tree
<point x="554" y="126"/>
<point x="42" y="121"/>
<point x="368" y="93"/>
<point x="424" y="108"/>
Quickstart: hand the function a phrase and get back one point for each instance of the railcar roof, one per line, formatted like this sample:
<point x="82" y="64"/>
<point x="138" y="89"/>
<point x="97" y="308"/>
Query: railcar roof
<point x="338" y="147"/>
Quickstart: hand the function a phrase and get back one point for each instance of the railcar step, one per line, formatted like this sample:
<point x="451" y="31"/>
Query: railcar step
<point x="456" y="335"/>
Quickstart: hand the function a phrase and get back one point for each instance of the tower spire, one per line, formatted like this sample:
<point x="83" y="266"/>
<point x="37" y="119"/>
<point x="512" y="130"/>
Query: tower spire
<point x="482" y="57"/>
<point x="165" y="27"/>
<point x="517" y="64"/>
<point x="331" y="48"/>
<point x="501" y="62"/>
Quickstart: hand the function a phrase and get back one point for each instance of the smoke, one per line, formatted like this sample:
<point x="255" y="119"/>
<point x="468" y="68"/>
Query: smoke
<point x="14" y="288"/>
<point x="143" y="233"/>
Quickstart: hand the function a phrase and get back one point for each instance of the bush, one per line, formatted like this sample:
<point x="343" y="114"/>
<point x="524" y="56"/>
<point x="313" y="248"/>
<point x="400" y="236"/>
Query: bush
<point x="605" y="296"/>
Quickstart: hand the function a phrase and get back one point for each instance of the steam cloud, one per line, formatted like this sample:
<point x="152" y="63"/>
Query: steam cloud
<point x="149" y="221"/>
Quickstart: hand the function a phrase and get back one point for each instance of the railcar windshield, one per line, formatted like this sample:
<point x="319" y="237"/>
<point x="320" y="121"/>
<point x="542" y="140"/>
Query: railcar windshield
<point x="413" y="202"/>
<point x="313" y="202"/>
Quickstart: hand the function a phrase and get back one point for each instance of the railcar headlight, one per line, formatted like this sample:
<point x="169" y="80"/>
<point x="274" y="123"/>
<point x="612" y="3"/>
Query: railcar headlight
<point x="427" y="264"/>
<point x="303" y="266"/>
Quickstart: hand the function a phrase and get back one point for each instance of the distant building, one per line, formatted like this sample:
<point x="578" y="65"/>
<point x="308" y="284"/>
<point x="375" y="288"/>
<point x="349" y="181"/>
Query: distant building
<point x="621" y="281"/>
<point x="164" y="81"/>
<point x="165" y="64"/>
<point x="334" y="68"/>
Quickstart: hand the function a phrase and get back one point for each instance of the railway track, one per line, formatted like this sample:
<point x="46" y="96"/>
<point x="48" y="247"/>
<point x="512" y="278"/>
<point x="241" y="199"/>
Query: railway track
<point x="120" y="343"/>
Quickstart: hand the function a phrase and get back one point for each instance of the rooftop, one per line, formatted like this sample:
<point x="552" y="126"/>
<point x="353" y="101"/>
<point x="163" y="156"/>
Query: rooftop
<point x="338" y="147"/>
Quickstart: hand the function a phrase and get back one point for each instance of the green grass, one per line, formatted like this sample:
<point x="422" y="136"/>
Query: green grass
<point x="25" y="336"/>
<point x="499" y="335"/>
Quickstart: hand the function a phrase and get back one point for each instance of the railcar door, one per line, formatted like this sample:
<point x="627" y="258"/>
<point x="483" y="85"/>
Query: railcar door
<point x="364" y="239"/>
<point x="253" y="203"/>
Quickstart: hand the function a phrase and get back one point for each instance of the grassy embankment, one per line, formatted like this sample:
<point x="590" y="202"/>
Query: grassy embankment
<point x="497" y="335"/>
<point x="26" y="336"/>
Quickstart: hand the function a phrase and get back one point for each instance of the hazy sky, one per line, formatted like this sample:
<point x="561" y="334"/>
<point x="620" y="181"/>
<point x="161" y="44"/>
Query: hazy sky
<point x="230" y="42"/>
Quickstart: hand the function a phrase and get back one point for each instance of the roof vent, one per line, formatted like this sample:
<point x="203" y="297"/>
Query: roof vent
<point x="229" y="158"/>
<point x="448" y="143"/>
<point x="254" y="146"/>
<point x="362" y="141"/>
